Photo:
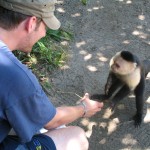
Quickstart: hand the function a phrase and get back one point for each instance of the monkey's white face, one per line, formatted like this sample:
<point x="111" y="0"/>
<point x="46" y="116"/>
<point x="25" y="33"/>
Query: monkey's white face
<point x="120" y="66"/>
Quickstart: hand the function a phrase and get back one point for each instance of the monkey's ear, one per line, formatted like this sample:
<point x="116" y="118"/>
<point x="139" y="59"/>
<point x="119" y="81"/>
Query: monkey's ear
<point x="114" y="58"/>
<point x="135" y="65"/>
<point x="111" y="62"/>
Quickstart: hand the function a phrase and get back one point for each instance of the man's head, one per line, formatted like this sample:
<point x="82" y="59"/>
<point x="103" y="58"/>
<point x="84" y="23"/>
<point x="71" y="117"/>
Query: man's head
<point x="43" y="9"/>
<point x="23" y="22"/>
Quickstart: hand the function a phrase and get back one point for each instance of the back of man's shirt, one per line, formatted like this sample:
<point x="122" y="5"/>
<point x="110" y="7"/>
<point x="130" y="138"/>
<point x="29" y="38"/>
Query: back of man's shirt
<point x="23" y="104"/>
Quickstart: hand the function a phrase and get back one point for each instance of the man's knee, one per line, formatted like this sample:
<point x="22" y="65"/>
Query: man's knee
<point x="69" y="138"/>
<point x="81" y="136"/>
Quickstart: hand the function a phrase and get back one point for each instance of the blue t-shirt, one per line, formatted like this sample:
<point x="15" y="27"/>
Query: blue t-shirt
<point x="23" y="104"/>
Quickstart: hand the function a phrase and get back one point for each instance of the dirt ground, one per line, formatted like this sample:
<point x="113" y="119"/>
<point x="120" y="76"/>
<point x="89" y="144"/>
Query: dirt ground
<point x="102" y="28"/>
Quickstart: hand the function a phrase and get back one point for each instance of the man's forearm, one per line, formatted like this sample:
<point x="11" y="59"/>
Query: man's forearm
<point x="65" y="115"/>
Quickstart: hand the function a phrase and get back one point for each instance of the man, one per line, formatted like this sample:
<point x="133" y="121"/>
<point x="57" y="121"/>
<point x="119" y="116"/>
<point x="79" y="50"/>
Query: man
<point x="24" y="107"/>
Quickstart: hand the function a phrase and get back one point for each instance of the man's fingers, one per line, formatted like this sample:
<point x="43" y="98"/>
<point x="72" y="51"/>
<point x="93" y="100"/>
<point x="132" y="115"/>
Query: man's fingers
<point x="85" y="96"/>
<point x="101" y="105"/>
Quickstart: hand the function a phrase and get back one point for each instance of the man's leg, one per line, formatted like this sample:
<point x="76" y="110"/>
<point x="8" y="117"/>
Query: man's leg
<point x="69" y="138"/>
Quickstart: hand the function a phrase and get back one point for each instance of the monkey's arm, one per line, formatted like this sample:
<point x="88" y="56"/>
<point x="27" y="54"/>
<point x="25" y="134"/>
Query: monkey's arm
<point x="113" y="83"/>
<point x="123" y="92"/>
<point x="106" y="89"/>
<point x="110" y="81"/>
<point x="139" y="93"/>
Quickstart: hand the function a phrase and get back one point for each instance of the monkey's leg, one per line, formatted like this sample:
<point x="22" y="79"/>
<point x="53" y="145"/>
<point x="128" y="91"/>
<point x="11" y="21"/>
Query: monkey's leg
<point x="123" y="92"/>
<point x="139" y="106"/>
<point x="139" y="93"/>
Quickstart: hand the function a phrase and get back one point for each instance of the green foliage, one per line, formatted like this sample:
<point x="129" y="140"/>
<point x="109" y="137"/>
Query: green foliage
<point x="84" y="2"/>
<point x="60" y="35"/>
<point x="47" y="54"/>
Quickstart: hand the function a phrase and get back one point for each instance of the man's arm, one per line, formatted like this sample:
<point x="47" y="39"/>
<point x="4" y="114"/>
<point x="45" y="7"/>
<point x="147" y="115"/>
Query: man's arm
<point x="68" y="114"/>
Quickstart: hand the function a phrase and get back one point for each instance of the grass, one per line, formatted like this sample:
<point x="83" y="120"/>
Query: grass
<point x="47" y="54"/>
<point x="84" y="2"/>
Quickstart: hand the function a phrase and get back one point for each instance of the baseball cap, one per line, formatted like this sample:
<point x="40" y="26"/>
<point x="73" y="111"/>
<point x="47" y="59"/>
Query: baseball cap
<point x="43" y="9"/>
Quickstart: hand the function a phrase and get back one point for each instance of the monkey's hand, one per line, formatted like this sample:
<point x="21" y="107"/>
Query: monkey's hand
<point x="112" y="106"/>
<point x="137" y="120"/>
<point x="106" y="91"/>
<point x="99" y="97"/>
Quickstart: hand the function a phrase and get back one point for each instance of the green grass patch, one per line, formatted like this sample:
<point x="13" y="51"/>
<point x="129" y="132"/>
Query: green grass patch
<point x="60" y="35"/>
<point x="84" y="2"/>
<point x="47" y="54"/>
<point x="48" y="51"/>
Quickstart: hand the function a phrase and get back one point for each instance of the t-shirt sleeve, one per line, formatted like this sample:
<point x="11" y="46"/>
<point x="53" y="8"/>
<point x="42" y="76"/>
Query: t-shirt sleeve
<point x="29" y="115"/>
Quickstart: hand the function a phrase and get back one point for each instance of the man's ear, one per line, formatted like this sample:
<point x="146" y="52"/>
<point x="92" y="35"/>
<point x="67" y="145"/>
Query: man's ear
<point x="31" y="24"/>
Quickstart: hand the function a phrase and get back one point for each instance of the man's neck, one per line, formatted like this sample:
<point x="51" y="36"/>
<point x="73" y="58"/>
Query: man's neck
<point x="10" y="38"/>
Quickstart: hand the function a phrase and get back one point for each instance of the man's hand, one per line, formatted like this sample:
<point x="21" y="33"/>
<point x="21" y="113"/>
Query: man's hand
<point x="91" y="107"/>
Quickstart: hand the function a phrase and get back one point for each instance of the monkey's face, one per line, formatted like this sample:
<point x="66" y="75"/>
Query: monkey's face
<point x="120" y="66"/>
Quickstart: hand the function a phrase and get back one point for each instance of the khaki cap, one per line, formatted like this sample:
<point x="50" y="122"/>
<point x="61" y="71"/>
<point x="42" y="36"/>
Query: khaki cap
<point x="43" y="9"/>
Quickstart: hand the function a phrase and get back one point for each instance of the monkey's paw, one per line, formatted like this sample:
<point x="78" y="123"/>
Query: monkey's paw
<point x="112" y="106"/>
<point x="100" y="97"/>
<point x="137" y="120"/>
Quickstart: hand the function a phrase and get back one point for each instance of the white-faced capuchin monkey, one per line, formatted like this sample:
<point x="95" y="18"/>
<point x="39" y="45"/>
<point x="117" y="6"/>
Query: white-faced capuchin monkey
<point x="127" y="73"/>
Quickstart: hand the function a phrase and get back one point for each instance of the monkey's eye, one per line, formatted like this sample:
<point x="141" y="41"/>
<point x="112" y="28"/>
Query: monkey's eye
<point x="117" y="65"/>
